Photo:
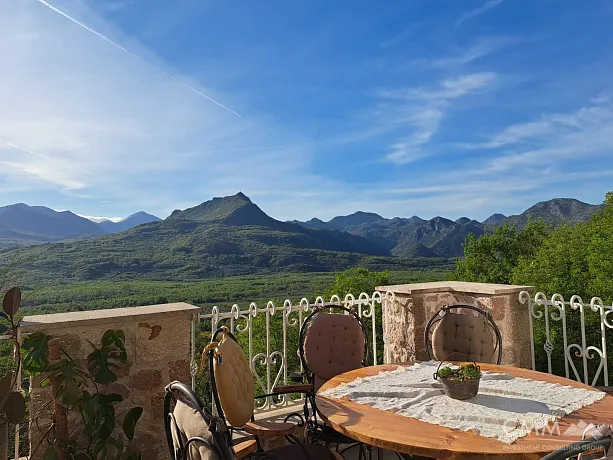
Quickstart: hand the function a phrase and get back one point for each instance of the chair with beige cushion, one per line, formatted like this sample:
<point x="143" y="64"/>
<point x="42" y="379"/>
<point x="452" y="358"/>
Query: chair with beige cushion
<point x="463" y="333"/>
<point x="234" y="398"/>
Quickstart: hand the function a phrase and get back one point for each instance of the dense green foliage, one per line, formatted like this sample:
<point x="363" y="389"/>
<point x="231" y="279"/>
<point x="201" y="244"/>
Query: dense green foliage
<point x="92" y="295"/>
<point x="493" y="257"/>
<point x="567" y="260"/>
<point x="570" y="260"/>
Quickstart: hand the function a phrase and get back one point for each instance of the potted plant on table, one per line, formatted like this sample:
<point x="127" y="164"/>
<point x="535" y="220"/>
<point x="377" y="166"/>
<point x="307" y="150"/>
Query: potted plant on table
<point x="460" y="382"/>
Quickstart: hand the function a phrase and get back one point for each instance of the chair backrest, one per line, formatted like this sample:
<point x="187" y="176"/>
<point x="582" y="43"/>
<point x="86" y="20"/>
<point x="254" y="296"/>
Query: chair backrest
<point x="333" y="340"/>
<point x="231" y="379"/>
<point x="192" y="431"/>
<point x="471" y="335"/>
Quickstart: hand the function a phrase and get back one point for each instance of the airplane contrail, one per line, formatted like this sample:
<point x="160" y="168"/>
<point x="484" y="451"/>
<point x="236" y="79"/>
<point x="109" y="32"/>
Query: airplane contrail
<point x="45" y="157"/>
<point x="147" y="63"/>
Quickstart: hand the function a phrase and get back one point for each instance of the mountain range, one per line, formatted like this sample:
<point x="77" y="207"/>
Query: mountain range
<point x="441" y="237"/>
<point x="232" y="236"/>
<point x="21" y="224"/>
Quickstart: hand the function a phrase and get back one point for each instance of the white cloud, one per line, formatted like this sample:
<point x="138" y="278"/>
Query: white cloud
<point x="477" y="11"/>
<point x="424" y="109"/>
<point x="99" y="219"/>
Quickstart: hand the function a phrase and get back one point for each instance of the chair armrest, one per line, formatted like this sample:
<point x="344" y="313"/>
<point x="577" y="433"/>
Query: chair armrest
<point x="245" y="448"/>
<point x="263" y="428"/>
<point x="285" y="389"/>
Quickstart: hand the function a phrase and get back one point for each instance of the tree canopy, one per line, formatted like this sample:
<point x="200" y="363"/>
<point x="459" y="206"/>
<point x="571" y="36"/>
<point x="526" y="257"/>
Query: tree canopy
<point x="569" y="260"/>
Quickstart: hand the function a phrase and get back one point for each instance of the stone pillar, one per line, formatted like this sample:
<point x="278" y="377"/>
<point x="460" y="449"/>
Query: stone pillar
<point x="407" y="312"/>
<point x="158" y="348"/>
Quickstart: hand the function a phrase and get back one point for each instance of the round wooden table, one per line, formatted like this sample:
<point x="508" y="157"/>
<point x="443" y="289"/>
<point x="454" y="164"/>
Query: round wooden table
<point x="395" y="432"/>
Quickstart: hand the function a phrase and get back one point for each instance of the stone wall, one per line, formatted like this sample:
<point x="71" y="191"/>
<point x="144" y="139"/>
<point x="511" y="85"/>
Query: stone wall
<point x="407" y="312"/>
<point x="158" y="348"/>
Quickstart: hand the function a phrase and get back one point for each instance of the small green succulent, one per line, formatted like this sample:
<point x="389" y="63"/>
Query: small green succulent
<point x="466" y="372"/>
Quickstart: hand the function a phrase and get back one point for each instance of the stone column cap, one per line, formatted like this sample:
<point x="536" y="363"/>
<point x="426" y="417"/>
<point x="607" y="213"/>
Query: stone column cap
<point x="455" y="286"/>
<point x="93" y="317"/>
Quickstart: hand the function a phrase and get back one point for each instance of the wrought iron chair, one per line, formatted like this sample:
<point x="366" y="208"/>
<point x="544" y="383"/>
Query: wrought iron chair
<point x="601" y="440"/>
<point x="193" y="433"/>
<point x="333" y="340"/>
<point x="234" y="398"/>
<point x="463" y="337"/>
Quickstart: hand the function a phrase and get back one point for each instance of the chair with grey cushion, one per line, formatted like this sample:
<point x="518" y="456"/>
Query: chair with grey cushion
<point x="193" y="433"/>
<point x="463" y="333"/>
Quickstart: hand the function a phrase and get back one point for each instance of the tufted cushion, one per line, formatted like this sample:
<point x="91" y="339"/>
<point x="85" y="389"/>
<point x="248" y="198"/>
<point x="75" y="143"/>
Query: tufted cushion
<point x="191" y="424"/>
<point x="463" y="338"/>
<point x="234" y="383"/>
<point x="333" y="344"/>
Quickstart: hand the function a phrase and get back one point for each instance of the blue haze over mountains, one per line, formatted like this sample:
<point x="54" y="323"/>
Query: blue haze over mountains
<point x="360" y="232"/>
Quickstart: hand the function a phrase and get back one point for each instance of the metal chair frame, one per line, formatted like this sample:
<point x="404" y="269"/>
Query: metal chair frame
<point x="222" y="445"/>
<point x="437" y="317"/>
<point x="291" y="438"/>
<point x="314" y="430"/>
<point x="222" y="438"/>
<point x="578" y="447"/>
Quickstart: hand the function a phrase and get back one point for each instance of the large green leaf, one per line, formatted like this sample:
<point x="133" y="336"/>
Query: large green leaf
<point x="103" y="421"/>
<point x="99" y="367"/>
<point x="35" y="352"/>
<point x="112" y="354"/>
<point x="11" y="301"/>
<point x="130" y="421"/>
<point x="108" y="449"/>
<point x="69" y="378"/>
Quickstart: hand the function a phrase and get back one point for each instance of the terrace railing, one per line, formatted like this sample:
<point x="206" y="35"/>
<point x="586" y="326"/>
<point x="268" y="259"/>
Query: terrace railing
<point x="269" y="336"/>
<point x="571" y="337"/>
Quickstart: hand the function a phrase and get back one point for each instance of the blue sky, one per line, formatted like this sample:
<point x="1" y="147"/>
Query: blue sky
<point x="312" y="108"/>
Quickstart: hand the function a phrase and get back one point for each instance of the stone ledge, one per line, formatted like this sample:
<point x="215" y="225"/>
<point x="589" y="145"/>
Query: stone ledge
<point x="455" y="286"/>
<point x="93" y="317"/>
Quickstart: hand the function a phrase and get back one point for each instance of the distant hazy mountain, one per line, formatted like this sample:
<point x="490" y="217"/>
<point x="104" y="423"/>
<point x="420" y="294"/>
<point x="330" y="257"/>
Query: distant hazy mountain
<point x="441" y="237"/>
<point x="129" y="222"/>
<point x="22" y="224"/>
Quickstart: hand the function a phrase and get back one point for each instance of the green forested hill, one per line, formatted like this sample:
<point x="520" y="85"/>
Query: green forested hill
<point x="223" y="237"/>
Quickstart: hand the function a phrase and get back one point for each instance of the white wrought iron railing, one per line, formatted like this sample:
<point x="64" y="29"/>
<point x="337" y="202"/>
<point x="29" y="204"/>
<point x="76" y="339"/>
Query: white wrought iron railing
<point x="572" y="331"/>
<point x="269" y="336"/>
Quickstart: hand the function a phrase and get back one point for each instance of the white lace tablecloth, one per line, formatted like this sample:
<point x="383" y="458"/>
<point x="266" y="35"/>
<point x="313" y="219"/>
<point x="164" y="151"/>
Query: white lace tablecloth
<point x="506" y="408"/>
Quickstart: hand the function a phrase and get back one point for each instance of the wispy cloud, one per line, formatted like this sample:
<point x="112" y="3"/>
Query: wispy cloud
<point x="477" y="11"/>
<point x="585" y="133"/>
<point x="424" y="109"/>
<point x="138" y="58"/>
<point x="480" y="48"/>
<point x="84" y="126"/>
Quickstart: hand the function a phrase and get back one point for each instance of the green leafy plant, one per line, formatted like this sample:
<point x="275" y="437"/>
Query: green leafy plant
<point x="12" y="400"/>
<point x="462" y="373"/>
<point x="78" y="386"/>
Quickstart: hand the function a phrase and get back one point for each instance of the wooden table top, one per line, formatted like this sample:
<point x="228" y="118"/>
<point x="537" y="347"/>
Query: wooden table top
<point x="395" y="432"/>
